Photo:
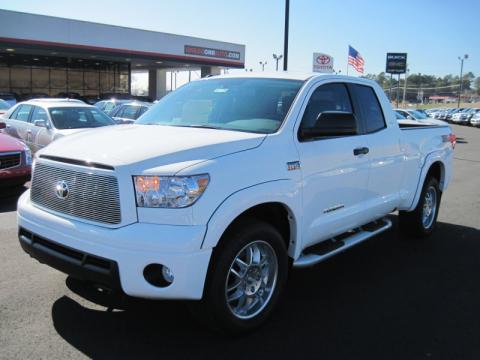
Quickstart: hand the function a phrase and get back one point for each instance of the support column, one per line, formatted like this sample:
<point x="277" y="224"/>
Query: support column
<point x="157" y="84"/>
<point x="209" y="70"/>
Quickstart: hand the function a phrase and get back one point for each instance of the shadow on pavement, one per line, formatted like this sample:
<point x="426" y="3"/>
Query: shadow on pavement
<point x="389" y="298"/>
<point x="9" y="198"/>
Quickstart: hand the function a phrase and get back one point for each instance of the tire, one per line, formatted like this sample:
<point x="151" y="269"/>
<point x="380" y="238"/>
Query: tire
<point x="421" y="222"/>
<point x="247" y="284"/>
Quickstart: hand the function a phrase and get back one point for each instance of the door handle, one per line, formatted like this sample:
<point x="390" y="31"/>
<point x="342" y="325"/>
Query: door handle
<point x="361" y="151"/>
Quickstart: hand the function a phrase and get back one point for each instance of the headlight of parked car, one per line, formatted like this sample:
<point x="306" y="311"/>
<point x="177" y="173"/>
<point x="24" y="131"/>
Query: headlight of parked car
<point x="169" y="191"/>
<point x="28" y="156"/>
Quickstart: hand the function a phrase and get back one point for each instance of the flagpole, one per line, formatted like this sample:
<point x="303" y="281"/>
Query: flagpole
<point x="347" y="64"/>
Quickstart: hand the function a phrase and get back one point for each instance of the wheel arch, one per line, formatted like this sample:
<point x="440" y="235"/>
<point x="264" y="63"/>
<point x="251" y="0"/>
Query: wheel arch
<point x="279" y="208"/>
<point x="434" y="166"/>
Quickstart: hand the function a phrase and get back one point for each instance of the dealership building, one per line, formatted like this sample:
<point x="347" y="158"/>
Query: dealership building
<point x="54" y="56"/>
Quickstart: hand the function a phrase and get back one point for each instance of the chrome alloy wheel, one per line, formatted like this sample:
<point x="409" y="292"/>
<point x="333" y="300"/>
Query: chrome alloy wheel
<point x="429" y="207"/>
<point x="251" y="279"/>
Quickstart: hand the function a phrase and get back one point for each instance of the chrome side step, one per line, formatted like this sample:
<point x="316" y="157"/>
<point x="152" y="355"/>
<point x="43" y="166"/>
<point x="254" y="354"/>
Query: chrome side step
<point x="342" y="242"/>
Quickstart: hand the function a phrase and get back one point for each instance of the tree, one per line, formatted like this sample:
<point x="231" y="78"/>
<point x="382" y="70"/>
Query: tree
<point x="477" y="85"/>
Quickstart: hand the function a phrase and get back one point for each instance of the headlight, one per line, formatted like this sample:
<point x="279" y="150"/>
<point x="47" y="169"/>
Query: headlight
<point x="28" y="156"/>
<point x="169" y="191"/>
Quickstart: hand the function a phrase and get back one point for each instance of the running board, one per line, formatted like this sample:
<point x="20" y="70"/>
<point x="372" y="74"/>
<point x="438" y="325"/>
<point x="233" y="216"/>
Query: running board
<point x="328" y="248"/>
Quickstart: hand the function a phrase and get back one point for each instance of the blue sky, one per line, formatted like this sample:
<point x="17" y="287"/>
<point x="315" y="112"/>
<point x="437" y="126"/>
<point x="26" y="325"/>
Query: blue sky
<point x="433" y="33"/>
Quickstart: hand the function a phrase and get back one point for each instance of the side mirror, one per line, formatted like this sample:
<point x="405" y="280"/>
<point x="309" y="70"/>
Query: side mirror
<point x="331" y="123"/>
<point x="2" y="125"/>
<point x="40" y="123"/>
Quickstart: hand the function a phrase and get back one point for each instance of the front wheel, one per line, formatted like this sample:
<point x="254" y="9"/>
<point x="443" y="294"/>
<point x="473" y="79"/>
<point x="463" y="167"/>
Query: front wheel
<point x="421" y="221"/>
<point x="247" y="275"/>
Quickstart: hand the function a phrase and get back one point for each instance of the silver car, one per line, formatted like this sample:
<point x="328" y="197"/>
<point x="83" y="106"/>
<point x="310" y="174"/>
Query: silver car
<point x="475" y="120"/>
<point x="39" y="122"/>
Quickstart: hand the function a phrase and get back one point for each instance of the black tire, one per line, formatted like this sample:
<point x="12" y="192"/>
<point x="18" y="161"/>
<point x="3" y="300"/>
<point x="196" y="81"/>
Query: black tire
<point x="214" y="308"/>
<point x="412" y="223"/>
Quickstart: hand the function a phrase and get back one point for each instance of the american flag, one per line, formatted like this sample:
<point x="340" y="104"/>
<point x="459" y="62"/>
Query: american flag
<point x="355" y="59"/>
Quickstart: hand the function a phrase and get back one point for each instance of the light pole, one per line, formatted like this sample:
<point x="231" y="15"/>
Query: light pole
<point x="405" y="85"/>
<point x="263" y="63"/>
<point x="465" y="57"/>
<point x="285" y="38"/>
<point x="277" y="59"/>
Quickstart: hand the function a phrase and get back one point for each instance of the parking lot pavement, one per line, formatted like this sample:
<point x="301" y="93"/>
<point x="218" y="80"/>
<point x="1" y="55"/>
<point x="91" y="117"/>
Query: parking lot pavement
<point x="389" y="298"/>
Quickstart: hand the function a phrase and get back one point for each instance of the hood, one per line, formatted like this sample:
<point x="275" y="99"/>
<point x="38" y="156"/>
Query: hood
<point x="8" y="143"/>
<point x="161" y="145"/>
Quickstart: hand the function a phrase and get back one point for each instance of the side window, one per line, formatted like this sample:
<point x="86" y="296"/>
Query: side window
<point x="13" y="115"/>
<point x="329" y="97"/>
<point x="142" y="110"/>
<point x="369" y="107"/>
<point x="108" y="106"/>
<point x="129" y="112"/>
<point x="118" y="111"/>
<point x="23" y="113"/>
<point x="39" y="114"/>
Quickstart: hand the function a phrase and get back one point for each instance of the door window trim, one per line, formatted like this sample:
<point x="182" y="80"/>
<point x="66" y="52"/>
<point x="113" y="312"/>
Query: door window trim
<point x="360" y="113"/>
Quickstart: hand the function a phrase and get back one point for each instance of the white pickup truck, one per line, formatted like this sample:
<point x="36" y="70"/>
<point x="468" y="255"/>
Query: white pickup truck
<point x="222" y="186"/>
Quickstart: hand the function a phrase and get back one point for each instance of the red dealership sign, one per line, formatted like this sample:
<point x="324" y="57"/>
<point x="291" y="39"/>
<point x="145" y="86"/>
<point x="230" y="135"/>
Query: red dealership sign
<point x="216" y="53"/>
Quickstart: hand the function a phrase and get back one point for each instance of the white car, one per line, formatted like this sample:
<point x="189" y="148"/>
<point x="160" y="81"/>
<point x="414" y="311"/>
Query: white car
<point x="418" y="116"/>
<point x="38" y="122"/>
<point x="223" y="184"/>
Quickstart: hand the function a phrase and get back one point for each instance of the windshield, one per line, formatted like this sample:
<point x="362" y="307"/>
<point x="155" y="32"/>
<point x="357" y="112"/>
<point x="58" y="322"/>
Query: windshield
<point x="78" y="117"/>
<point x="418" y="115"/>
<point x="243" y="104"/>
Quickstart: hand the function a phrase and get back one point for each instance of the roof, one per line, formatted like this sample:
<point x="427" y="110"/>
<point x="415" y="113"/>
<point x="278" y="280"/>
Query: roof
<point x="288" y="75"/>
<point x="49" y="103"/>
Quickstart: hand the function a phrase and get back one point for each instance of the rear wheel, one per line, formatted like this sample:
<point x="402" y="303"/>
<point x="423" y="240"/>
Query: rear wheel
<point x="421" y="221"/>
<point x="247" y="275"/>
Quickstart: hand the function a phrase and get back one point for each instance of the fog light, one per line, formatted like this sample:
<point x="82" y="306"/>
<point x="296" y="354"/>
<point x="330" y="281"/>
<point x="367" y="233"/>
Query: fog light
<point x="167" y="274"/>
<point x="158" y="275"/>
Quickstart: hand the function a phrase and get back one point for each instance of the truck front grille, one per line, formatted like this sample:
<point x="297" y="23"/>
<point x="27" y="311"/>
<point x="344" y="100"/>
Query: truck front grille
<point x="9" y="160"/>
<point x="80" y="194"/>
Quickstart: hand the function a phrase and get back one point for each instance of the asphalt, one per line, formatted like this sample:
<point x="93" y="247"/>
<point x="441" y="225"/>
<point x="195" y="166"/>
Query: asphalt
<point x="388" y="298"/>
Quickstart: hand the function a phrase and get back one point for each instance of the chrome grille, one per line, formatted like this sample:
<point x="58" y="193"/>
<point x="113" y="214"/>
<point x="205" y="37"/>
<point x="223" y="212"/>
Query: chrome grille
<point x="9" y="160"/>
<point x="90" y="196"/>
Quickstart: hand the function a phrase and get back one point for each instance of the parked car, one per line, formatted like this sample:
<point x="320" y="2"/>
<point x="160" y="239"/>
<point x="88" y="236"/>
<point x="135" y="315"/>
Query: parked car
<point x="128" y="112"/>
<point x="461" y="117"/>
<point x="15" y="160"/>
<point x="222" y="185"/>
<point x="419" y="116"/>
<point x="4" y="106"/>
<point x="10" y="98"/>
<point x="39" y="122"/>
<point x="475" y="120"/>
<point x="107" y="106"/>
<point x="452" y="112"/>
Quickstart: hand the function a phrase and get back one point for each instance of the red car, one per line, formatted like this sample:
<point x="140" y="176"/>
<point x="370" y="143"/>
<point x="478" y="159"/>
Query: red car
<point x="15" y="161"/>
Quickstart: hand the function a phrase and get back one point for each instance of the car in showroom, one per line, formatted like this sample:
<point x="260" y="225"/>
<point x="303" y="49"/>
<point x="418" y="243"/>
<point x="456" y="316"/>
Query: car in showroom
<point x="15" y="160"/>
<point x="226" y="183"/>
<point x="39" y="122"/>
<point x="128" y="112"/>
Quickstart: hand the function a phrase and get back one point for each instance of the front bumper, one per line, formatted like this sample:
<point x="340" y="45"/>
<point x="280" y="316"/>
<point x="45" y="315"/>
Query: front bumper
<point x="127" y="250"/>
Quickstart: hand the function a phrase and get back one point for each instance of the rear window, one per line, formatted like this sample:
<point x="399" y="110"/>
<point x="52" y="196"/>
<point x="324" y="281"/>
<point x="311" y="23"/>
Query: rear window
<point x="78" y="118"/>
<point x="369" y="107"/>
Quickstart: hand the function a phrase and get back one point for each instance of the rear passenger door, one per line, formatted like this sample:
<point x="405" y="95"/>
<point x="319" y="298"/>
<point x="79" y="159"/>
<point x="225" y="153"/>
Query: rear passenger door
<point x="335" y="173"/>
<point x="42" y="136"/>
<point x="385" y="155"/>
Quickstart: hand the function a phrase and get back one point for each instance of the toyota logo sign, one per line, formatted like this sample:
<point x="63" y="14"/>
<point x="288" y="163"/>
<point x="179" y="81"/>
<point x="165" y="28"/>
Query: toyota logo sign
<point x="61" y="189"/>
